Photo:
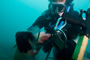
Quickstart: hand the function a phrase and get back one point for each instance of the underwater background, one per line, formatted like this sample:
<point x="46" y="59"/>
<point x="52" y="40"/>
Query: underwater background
<point x="18" y="15"/>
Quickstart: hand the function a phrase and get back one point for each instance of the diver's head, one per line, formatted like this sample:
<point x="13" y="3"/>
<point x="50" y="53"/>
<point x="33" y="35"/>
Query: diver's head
<point x="58" y="6"/>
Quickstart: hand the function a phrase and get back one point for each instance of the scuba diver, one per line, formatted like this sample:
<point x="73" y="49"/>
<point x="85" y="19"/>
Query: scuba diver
<point x="57" y="35"/>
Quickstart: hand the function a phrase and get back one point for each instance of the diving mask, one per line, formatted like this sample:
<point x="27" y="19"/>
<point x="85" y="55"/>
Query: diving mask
<point x="54" y="6"/>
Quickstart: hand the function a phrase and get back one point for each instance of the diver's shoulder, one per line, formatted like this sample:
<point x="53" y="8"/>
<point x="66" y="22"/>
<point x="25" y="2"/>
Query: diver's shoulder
<point x="46" y="13"/>
<point x="44" y="16"/>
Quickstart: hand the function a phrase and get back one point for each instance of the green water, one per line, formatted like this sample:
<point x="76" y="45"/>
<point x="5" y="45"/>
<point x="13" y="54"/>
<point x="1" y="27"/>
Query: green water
<point x="18" y="15"/>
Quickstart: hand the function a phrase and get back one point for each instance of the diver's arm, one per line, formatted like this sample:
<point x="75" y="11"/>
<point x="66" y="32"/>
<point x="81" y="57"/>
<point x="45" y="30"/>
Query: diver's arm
<point x="40" y="22"/>
<point x="74" y="19"/>
<point x="35" y="30"/>
<point x="79" y="22"/>
<point x="23" y="37"/>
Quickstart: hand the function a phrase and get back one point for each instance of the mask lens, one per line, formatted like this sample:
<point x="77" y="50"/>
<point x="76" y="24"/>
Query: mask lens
<point x="59" y="6"/>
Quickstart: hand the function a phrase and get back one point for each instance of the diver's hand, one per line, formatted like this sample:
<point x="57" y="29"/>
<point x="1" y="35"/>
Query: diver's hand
<point x="43" y="37"/>
<point x="22" y="41"/>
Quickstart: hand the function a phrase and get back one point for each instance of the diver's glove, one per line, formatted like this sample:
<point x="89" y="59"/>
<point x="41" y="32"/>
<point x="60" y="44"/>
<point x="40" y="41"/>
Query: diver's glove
<point x="22" y="41"/>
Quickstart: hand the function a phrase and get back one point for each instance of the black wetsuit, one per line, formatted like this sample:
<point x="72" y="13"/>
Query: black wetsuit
<point x="48" y="21"/>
